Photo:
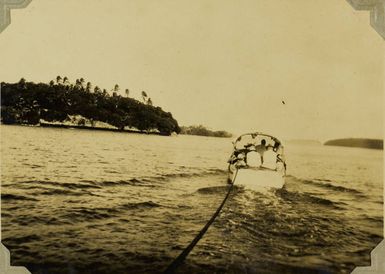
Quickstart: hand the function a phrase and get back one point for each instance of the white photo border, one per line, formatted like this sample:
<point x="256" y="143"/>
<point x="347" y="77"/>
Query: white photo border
<point x="377" y="21"/>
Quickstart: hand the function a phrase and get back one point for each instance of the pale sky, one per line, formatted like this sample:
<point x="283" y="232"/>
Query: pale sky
<point x="224" y="64"/>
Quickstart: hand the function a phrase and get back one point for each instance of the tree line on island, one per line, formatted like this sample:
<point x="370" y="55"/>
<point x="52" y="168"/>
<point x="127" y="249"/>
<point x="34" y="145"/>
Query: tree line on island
<point x="356" y="142"/>
<point x="29" y="103"/>
<point x="202" y="131"/>
<point x="60" y="100"/>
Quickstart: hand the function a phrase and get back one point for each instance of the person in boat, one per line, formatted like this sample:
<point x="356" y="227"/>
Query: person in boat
<point x="261" y="149"/>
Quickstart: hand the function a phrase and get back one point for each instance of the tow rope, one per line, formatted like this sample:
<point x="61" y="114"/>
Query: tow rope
<point x="178" y="260"/>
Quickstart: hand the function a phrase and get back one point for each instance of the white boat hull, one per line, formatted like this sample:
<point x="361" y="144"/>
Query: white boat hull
<point x="257" y="178"/>
<point x="257" y="162"/>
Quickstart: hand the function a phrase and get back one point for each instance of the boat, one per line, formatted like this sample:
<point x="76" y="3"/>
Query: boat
<point x="257" y="161"/>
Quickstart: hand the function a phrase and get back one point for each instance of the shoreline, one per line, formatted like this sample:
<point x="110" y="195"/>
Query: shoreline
<point x="47" y="125"/>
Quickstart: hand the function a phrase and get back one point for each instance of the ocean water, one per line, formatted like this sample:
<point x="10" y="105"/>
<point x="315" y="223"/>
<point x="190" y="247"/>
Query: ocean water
<point x="78" y="201"/>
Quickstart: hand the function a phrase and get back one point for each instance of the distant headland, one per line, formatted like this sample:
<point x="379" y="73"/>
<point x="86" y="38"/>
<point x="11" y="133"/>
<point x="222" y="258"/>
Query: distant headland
<point x="202" y="131"/>
<point x="356" y="142"/>
<point x="63" y="104"/>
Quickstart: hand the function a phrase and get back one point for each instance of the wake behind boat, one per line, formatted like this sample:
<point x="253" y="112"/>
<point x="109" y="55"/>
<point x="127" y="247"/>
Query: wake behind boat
<point x="257" y="161"/>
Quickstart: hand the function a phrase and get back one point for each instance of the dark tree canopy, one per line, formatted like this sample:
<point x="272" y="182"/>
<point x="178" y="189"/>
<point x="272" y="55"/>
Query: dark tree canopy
<point x="28" y="102"/>
<point x="202" y="131"/>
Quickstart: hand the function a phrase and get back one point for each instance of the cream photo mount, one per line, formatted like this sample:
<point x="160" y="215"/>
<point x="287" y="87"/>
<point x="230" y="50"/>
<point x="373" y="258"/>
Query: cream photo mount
<point x="377" y="21"/>
<point x="377" y="13"/>
<point x="5" y="10"/>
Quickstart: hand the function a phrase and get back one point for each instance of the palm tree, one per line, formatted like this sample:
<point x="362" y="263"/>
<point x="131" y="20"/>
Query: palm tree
<point x="65" y="80"/>
<point x="97" y="90"/>
<point x="51" y="83"/>
<point x="21" y="84"/>
<point x="81" y="83"/>
<point x="89" y="86"/>
<point x="149" y="102"/>
<point x="116" y="88"/>
<point x="127" y="92"/>
<point x="144" y="96"/>
<point x="78" y="85"/>
<point x="58" y="79"/>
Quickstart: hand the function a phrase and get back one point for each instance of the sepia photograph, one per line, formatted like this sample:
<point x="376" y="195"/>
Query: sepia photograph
<point x="205" y="136"/>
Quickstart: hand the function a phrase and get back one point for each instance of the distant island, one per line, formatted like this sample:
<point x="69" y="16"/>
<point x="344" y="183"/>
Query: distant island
<point x="63" y="104"/>
<point x="202" y="131"/>
<point x="356" y="142"/>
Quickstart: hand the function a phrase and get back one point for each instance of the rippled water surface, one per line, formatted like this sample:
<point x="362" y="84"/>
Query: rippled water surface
<point x="78" y="201"/>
